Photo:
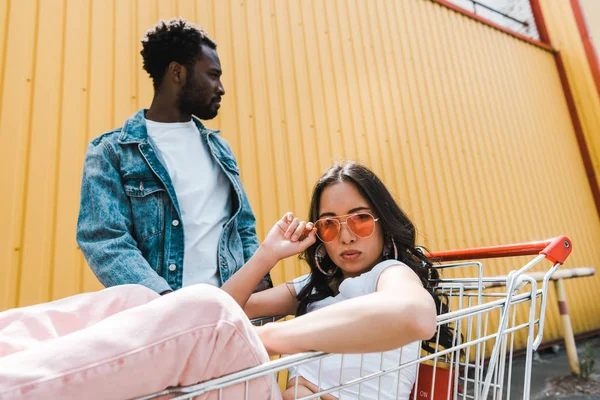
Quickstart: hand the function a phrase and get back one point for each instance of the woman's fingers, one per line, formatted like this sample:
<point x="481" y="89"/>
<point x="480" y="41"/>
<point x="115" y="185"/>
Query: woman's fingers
<point x="309" y="228"/>
<point x="287" y="217"/>
<point x="295" y="229"/>
<point x="291" y="228"/>
<point x="311" y="237"/>
<point x="299" y="231"/>
<point x="284" y="222"/>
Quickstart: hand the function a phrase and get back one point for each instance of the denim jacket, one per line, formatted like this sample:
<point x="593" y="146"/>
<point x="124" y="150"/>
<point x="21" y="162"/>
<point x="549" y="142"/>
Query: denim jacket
<point x="130" y="228"/>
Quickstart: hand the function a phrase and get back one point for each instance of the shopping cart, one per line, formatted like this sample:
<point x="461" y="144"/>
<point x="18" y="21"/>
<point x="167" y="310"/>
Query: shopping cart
<point x="486" y="314"/>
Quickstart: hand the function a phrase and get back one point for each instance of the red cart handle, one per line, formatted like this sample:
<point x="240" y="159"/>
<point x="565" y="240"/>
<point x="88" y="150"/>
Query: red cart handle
<point x="555" y="250"/>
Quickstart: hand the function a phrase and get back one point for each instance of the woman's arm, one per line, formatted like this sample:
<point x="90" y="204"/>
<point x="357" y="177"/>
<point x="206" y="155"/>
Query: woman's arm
<point x="280" y="300"/>
<point x="400" y="312"/>
<point x="288" y="237"/>
<point x="243" y="282"/>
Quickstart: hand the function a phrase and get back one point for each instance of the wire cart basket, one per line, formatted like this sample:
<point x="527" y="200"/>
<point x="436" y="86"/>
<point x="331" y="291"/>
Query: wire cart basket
<point x="480" y="364"/>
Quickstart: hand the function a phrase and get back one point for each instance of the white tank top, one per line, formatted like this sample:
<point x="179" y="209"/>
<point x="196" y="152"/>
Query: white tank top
<point x="337" y="368"/>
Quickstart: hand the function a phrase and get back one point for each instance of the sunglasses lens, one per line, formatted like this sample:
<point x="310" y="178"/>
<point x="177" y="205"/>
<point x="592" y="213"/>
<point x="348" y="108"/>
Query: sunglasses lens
<point x="327" y="229"/>
<point x="361" y="224"/>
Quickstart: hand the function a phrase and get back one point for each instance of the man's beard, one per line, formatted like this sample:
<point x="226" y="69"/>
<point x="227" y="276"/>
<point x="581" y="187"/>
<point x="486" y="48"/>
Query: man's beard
<point x="191" y="104"/>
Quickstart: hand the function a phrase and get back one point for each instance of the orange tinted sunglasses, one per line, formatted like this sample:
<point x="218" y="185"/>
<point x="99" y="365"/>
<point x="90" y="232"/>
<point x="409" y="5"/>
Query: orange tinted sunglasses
<point x="362" y="224"/>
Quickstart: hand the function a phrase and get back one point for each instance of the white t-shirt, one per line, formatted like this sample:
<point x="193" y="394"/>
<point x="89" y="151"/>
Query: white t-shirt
<point x="333" y="372"/>
<point x="203" y="192"/>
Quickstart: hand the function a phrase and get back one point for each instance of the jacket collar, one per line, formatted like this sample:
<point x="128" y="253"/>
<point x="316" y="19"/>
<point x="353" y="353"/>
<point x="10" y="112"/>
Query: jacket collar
<point x="134" y="130"/>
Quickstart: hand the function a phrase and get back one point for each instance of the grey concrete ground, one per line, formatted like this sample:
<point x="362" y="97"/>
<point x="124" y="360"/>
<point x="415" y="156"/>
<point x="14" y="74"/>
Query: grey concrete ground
<point x="548" y="365"/>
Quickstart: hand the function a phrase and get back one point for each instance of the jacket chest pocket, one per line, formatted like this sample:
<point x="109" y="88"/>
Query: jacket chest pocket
<point x="146" y="196"/>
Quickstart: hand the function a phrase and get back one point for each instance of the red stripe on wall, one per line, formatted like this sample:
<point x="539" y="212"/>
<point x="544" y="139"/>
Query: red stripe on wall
<point x="538" y="16"/>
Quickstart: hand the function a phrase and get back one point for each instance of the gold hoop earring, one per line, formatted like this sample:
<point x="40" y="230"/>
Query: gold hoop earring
<point x="320" y="255"/>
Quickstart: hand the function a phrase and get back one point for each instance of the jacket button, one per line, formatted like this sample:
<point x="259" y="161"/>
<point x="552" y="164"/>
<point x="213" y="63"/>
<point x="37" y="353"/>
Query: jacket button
<point x="172" y="267"/>
<point x="175" y="222"/>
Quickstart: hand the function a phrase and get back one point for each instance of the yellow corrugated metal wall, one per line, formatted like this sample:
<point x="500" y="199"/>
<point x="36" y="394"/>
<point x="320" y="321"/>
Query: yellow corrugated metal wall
<point x="466" y="124"/>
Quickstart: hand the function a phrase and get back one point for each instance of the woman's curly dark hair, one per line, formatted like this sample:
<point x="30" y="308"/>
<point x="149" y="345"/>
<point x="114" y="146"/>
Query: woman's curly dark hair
<point x="175" y="40"/>
<point x="395" y="224"/>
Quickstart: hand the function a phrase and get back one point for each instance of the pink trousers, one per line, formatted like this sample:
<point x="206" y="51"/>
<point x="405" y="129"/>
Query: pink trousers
<point x="128" y="341"/>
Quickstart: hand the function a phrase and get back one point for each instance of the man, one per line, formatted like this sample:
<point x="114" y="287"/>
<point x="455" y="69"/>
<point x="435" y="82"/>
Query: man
<point x="162" y="204"/>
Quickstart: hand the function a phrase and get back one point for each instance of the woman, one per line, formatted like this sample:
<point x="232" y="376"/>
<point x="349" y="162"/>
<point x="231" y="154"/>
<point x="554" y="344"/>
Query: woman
<point x="369" y="291"/>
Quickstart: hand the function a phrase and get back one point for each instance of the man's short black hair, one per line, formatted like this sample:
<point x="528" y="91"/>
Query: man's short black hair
<point x="175" y="40"/>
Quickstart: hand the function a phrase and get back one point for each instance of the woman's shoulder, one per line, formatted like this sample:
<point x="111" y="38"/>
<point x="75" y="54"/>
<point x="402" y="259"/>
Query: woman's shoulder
<point x="383" y="265"/>
<point x="378" y="269"/>
<point x="300" y="282"/>
<point x="367" y="282"/>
